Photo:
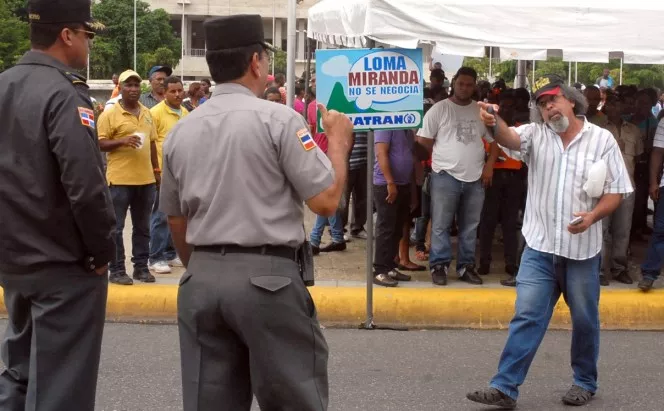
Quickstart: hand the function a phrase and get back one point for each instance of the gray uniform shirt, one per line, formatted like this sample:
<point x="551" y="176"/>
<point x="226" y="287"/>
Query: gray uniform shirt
<point x="239" y="169"/>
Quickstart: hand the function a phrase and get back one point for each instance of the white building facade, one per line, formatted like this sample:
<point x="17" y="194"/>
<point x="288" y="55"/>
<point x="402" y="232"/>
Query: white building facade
<point x="190" y="15"/>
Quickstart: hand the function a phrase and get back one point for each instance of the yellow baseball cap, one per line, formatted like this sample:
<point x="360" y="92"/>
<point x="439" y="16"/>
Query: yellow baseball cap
<point x="126" y="75"/>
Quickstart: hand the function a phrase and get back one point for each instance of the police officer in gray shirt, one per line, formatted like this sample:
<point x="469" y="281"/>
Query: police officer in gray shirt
<point x="56" y="217"/>
<point x="236" y="173"/>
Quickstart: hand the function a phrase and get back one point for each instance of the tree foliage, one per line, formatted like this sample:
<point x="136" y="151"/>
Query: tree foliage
<point x="113" y="49"/>
<point x="640" y="75"/>
<point x="13" y="34"/>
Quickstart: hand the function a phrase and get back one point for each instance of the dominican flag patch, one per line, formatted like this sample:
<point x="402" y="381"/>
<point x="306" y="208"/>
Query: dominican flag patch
<point x="87" y="117"/>
<point x="305" y="138"/>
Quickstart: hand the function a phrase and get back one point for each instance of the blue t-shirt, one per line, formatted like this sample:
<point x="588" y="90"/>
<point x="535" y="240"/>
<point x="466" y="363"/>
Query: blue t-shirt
<point x="400" y="155"/>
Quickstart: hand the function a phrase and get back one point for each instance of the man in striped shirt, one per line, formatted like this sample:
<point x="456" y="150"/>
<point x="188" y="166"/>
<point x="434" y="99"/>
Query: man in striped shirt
<point x="561" y="257"/>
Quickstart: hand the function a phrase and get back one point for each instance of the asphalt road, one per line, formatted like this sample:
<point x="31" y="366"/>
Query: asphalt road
<point x="396" y="370"/>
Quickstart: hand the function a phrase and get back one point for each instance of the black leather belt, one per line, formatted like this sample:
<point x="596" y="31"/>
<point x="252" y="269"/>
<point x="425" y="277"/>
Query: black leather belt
<point x="271" y="250"/>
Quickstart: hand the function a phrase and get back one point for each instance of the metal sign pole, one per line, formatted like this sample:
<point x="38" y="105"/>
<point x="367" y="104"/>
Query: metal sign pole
<point x="369" y="323"/>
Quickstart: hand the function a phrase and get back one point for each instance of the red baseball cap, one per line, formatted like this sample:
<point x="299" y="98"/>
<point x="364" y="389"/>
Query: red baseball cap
<point x="547" y="85"/>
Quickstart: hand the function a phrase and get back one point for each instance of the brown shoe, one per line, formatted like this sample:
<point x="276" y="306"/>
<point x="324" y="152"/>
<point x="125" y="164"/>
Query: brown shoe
<point x="493" y="397"/>
<point x="623" y="277"/>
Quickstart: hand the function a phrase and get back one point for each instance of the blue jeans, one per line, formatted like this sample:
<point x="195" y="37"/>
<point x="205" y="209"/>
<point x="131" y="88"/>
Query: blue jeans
<point x="450" y="197"/>
<point x="161" y="243"/>
<point x="336" y="229"/>
<point x="652" y="265"/>
<point x="542" y="278"/>
<point x="139" y="201"/>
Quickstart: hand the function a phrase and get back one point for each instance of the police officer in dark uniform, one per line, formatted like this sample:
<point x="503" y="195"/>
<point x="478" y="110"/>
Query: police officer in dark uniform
<point x="236" y="173"/>
<point x="56" y="218"/>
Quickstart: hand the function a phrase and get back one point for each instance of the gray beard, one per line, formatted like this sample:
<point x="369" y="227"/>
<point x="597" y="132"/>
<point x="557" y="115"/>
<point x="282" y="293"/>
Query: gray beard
<point x="561" y="125"/>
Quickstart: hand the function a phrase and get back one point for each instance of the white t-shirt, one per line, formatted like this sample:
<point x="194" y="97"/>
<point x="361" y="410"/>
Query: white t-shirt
<point x="659" y="142"/>
<point x="458" y="131"/>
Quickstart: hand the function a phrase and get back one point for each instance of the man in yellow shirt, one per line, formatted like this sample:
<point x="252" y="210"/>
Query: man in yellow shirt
<point x="164" y="115"/>
<point x="127" y="133"/>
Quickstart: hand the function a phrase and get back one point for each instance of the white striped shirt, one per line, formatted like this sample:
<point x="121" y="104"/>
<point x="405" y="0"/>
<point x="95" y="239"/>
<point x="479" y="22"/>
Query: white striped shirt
<point x="555" y="186"/>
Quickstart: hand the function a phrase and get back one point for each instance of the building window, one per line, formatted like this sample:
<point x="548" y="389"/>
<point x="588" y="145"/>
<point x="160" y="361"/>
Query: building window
<point x="197" y="35"/>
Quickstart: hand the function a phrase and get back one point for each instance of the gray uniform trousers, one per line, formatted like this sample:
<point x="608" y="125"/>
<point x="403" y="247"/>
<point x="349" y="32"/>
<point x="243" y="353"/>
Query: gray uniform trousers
<point x="53" y="339"/>
<point x="248" y="325"/>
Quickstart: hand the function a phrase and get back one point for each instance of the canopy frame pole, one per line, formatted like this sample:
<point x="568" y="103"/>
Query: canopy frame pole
<point x="569" y="74"/>
<point x="533" y="82"/>
<point x="621" y="71"/>
<point x="290" y="50"/>
<point x="576" y="72"/>
<point x="490" y="62"/>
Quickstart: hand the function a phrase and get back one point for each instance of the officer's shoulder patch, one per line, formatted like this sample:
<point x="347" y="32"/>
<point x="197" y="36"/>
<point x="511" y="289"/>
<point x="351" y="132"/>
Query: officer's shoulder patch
<point x="87" y="117"/>
<point x="306" y="140"/>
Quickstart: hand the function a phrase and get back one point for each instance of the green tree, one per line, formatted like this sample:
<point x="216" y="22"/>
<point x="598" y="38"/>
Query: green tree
<point x="113" y="49"/>
<point x="13" y="36"/>
<point x="499" y="69"/>
<point x="280" y="62"/>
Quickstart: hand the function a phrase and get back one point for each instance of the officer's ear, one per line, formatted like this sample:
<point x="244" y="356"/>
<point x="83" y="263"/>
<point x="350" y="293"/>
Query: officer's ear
<point x="67" y="36"/>
<point x="255" y="64"/>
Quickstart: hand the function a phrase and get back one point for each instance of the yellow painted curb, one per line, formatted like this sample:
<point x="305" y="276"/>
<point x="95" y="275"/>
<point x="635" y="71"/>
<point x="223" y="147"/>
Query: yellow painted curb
<point x="408" y="307"/>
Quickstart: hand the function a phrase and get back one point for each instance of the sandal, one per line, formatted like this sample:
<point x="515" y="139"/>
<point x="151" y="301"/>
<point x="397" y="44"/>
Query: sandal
<point x="577" y="396"/>
<point x="493" y="397"/>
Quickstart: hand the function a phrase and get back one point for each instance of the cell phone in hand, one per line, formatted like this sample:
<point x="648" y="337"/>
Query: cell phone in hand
<point x="576" y="221"/>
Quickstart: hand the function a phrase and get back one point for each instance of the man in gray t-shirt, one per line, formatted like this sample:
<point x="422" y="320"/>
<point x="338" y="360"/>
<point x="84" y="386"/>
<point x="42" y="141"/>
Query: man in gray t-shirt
<point x="453" y="131"/>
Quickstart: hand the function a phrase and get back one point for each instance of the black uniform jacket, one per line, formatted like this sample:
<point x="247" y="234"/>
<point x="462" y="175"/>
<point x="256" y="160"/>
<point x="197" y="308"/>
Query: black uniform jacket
<point x="55" y="206"/>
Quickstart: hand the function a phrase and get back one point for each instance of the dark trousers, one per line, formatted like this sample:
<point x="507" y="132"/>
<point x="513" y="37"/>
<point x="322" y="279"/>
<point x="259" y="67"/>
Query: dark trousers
<point x="422" y="221"/>
<point x="138" y="200"/>
<point x="248" y="327"/>
<point x="53" y="339"/>
<point x="390" y="220"/>
<point x="357" y="186"/>
<point x="501" y="204"/>
<point x="641" y="187"/>
<point x="161" y="243"/>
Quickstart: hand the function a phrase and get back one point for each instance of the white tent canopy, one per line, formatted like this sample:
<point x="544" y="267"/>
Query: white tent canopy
<point x="585" y="30"/>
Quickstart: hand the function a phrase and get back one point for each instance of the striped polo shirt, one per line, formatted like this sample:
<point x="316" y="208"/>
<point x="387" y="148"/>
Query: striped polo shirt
<point x="555" y="186"/>
<point x="358" y="154"/>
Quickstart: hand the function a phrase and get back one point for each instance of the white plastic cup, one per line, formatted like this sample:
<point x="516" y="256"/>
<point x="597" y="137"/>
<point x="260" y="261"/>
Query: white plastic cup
<point x="142" y="137"/>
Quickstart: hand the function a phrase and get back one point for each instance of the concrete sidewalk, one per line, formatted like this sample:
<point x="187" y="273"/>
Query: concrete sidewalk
<point x="340" y="295"/>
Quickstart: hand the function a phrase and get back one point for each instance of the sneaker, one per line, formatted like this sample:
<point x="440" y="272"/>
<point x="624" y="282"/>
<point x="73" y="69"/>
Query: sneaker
<point x="509" y="282"/>
<point x="347" y="238"/>
<point x="603" y="281"/>
<point x="362" y="235"/>
<point x="470" y="275"/>
<point x="646" y="284"/>
<point x="385" y="280"/>
<point x="333" y="247"/>
<point x="160" y="267"/>
<point x="399" y="276"/>
<point x="120" y="278"/>
<point x="439" y="274"/>
<point x="144" y="275"/>
<point x="176" y="262"/>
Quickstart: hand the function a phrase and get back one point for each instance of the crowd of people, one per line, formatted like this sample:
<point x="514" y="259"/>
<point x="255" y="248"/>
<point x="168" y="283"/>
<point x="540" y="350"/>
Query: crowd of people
<point x="475" y="185"/>
<point x="442" y="181"/>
